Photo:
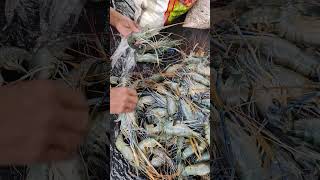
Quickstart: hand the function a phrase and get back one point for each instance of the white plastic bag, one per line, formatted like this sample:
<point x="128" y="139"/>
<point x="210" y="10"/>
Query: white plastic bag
<point x="157" y="13"/>
<point x="152" y="15"/>
<point x="199" y="15"/>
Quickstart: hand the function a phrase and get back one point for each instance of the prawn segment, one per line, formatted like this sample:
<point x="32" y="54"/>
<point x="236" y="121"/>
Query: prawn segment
<point x="200" y="169"/>
<point x="124" y="148"/>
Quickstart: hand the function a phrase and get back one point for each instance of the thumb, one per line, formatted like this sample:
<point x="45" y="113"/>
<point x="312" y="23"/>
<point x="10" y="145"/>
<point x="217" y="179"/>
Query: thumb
<point x="135" y="27"/>
<point x="126" y="34"/>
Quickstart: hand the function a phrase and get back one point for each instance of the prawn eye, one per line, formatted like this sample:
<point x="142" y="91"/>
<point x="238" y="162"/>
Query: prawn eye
<point x="273" y="110"/>
<point x="276" y="102"/>
<point x="171" y="51"/>
<point x="275" y="107"/>
<point x="140" y="46"/>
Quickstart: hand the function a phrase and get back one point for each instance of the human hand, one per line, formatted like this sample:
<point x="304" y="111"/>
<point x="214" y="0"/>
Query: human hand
<point x="122" y="23"/>
<point x="126" y="26"/>
<point x="40" y="121"/>
<point x="122" y="100"/>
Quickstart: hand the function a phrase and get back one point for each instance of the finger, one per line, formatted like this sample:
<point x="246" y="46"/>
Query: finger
<point x="131" y="105"/>
<point x="76" y="121"/>
<point x="125" y="30"/>
<point x="134" y="26"/>
<point x="132" y="100"/>
<point x="125" y="33"/>
<point x="70" y="98"/>
<point x="55" y="153"/>
<point x="66" y="141"/>
<point x="127" y="111"/>
<point x="129" y="108"/>
<point x="132" y="92"/>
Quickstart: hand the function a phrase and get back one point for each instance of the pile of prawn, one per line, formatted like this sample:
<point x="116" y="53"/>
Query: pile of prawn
<point x="168" y="136"/>
<point x="265" y="91"/>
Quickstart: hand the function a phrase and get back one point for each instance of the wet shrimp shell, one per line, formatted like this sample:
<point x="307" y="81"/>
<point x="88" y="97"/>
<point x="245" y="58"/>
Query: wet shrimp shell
<point x="200" y="169"/>
<point x="124" y="148"/>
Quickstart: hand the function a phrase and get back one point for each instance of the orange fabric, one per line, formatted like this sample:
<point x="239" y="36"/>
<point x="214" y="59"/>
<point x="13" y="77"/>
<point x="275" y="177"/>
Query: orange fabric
<point x="172" y="5"/>
<point x="169" y="9"/>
